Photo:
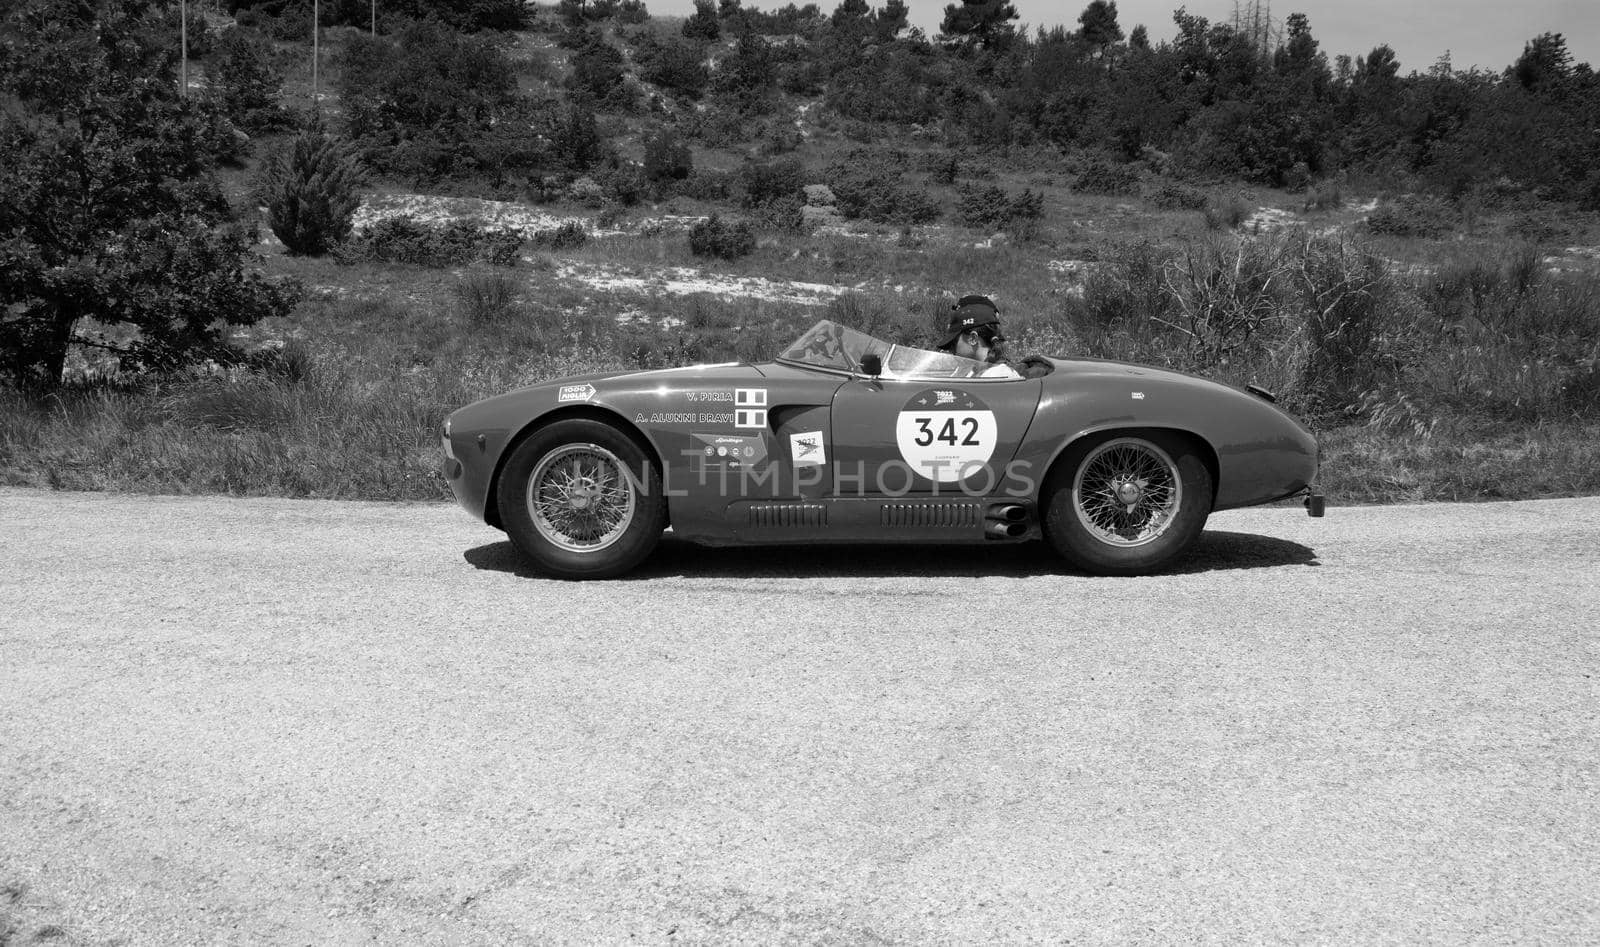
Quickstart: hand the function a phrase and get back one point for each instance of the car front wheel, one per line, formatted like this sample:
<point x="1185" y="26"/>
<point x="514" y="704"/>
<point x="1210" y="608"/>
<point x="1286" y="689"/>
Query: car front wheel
<point x="1126" y="505"/>
<point x="582" y="500"/>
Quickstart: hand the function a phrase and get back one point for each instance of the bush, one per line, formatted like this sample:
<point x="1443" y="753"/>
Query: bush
<point x="310" y="190"/>
<point x="991" y="208"/>
<point x="1411" y="216"/>
<point x="404" y="239"/>
<point x="1101" y="177"/>
<point x="1325" y="195"/>
<point x="773" y="181"/>
<point x="565" y="237"/>
<point x="486" y="298"/>
<point x="867" y="184"/>
<point x="1169" y="195"/>
<point x="623" y="184"/>
<point x="666" y="157"/>
<point x="1226" y="212"/>
<point x="716" y="237"/>
<point x="708" y="184"/>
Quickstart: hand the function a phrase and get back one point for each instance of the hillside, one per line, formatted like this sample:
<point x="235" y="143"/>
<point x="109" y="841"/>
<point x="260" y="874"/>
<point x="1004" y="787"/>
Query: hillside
<point x="530" y="200"/>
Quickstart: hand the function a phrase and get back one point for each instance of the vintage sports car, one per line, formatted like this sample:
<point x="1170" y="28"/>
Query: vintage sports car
<point x="846" y="438"/>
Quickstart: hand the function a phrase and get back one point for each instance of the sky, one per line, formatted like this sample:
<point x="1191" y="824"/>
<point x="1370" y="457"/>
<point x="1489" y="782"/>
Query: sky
<point x="1485" y="33"/>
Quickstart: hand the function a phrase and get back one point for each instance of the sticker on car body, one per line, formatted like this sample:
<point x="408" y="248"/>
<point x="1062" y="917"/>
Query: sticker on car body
<point x="944" y="433"/>
<point x="806" y="449"/>
<point x="575" y="393"/>
<point x="730" y="449"/>
<point x="750" y="408"/>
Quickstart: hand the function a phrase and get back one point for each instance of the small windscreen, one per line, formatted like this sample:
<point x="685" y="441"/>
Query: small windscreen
<point x="830" y="345"/>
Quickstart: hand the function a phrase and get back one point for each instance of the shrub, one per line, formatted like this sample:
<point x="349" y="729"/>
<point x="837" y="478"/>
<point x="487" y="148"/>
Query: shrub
<point x="623" y="184"/>
<point x="708" y="184"/>
<point x="1226" y="212"/>
<point x="1411" y="216"/>
<point x="404" y="239"/>
<point x="1169" y="195"/>
<point x="772" y="181"/>
<point x="1102" y="177"/>
<point x="568" y="235"/>
<point x="867" y="184"/>
<point x="310" y="190"/>
<point x="715" y="237"/>
<point x="991" y="208"/>
<point x="666" y="156"/>
<point x="486" y="298"/>
<point x="1325" y="195"/>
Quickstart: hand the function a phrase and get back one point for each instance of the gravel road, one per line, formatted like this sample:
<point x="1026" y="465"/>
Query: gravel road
<point x="272" y="721"/>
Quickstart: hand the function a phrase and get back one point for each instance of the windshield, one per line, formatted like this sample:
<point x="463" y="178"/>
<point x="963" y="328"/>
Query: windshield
<point x="830" y="345"/>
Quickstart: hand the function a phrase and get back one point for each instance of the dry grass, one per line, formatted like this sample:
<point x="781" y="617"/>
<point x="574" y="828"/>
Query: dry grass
<point x="1462" y="372"/>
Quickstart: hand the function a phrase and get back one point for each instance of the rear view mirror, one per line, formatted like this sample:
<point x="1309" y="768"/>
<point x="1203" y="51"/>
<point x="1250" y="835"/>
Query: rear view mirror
<point x="872" y="365"/>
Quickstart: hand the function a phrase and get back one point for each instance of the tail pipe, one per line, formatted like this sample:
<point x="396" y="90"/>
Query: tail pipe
<point x="1006" y="521"/>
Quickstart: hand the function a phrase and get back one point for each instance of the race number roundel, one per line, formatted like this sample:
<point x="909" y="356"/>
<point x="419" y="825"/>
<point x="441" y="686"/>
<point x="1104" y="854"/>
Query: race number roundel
<point x="945" y="434"/>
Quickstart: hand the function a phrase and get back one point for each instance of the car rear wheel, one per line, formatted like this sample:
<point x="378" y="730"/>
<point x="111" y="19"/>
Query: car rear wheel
<point x="582" y="500"/>
<point x="1127" y="504"/>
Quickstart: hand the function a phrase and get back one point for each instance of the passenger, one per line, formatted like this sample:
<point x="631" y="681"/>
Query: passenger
<point x="974" y="332"/>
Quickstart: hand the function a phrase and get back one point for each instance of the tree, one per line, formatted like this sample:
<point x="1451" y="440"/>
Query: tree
<point x="985" y="23"/>
<point x="850" y="13"/>
<point x="673" y="65"/>
<point x="1545" y="64"/>
<point x="435" y="103"/>
<point x="575" y="139"/>
<point x="892" y="19"/>
<point x="109" y="207"/>
<point x="246" y="84"/>
<point x="1099" y="27"/>
<point x="598" y="70"/>
<point x="311" y="192"/>
<point x="703" y="24"/>
<point x="1139" y="38"/>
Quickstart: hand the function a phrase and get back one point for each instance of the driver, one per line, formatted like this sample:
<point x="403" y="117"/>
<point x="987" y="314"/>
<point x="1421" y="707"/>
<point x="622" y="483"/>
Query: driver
<point x="974" y="332"/>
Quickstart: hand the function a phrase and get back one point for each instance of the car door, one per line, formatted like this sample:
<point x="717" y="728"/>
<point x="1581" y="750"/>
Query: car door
<point x="898" y="437"/>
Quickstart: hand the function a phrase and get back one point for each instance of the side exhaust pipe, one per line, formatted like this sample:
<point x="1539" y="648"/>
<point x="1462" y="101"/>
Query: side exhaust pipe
<point x="1009" y="513"/>
<point x="998" y="529"/>
<point x="1006" y="521"/>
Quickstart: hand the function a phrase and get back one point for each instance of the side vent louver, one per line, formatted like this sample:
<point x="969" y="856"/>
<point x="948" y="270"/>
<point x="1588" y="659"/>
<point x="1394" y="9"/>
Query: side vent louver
<point x="786" y="515"/>
<point x="931" y="514"/>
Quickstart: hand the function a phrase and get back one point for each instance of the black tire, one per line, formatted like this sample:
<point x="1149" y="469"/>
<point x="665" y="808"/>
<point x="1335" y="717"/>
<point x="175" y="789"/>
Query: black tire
<point x="598" y="511"/>
<point x="1127" y="504"/>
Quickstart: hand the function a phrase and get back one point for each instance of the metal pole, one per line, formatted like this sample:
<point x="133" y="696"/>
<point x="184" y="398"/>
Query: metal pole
<point x="183" y="56"/>
<point x="316" y="34"/>
<point x="374" y="17"/>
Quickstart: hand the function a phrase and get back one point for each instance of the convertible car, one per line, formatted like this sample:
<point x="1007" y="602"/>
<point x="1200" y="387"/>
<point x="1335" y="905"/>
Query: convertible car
<point x="846" y="438"/>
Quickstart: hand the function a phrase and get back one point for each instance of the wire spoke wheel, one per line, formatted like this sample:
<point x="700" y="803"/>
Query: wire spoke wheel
<point x="1127" y="492"/>
<point x="581" y="498"/>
